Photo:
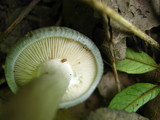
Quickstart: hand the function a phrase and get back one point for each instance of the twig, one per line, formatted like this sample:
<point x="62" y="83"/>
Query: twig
<point x="108" y="47"/>
<point x="103" y="8"/>
<point x="110" y="54"/>
<point x="21" y="16"/>
<point x="116" y="76"/>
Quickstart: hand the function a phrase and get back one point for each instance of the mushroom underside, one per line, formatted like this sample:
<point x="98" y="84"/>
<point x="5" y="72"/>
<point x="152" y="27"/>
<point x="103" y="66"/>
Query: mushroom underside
<point x="79" y="57"/>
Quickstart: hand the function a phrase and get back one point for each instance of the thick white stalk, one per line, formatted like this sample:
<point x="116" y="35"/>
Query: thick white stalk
<point x="39" y="99"/>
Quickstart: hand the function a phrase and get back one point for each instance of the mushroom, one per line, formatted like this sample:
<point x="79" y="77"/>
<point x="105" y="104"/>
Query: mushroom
<point x="56" y="52"/>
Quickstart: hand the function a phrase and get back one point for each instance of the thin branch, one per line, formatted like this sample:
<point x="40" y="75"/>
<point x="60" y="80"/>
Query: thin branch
<point x="116" y="76"/>
<point x="23" y="14"/>
<point x="110" y="50"/>
<point x="110" y="54"/>
<point x="103" y="8"/>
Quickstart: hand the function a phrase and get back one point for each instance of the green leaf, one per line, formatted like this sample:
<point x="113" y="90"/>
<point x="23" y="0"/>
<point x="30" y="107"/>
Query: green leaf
<point x="133" y="97"/>
<point x="136" y="62"/>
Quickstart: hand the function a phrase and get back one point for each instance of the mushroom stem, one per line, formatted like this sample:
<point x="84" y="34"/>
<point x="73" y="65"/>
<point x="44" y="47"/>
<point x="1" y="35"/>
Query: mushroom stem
<point x="39" y="99"/>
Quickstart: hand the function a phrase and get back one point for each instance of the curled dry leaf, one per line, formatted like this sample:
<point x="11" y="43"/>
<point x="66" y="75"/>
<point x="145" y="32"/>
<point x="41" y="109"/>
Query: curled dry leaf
<point x="108" y="114"/>
<point x="107" y="86"/>
<point x="134" y="11"/>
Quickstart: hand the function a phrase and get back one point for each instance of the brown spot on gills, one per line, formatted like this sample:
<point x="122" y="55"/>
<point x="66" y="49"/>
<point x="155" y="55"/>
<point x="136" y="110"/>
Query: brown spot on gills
<point x="63" y="60"/>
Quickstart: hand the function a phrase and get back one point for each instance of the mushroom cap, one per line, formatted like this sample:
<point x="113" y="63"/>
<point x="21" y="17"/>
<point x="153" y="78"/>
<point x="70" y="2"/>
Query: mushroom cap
<point x="63" y="43"/>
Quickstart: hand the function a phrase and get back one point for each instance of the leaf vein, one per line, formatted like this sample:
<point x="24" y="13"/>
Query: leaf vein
<point x="141" y="96"/>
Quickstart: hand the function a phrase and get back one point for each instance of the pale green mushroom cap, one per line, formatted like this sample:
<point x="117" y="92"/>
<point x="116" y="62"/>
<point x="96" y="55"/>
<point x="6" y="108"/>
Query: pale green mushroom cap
<point x="56" y="44"/>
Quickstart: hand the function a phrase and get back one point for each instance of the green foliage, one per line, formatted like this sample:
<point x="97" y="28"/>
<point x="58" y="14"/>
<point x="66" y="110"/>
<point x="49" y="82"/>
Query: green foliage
<point x="133" y="97"/>
<point x="136" y="63"/>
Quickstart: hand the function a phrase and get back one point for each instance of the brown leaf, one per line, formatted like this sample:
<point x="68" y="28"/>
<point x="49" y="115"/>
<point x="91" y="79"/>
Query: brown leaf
<point x="108" y="114"/>
<point x="107" y="86"/>
<point x="138" y="12"/>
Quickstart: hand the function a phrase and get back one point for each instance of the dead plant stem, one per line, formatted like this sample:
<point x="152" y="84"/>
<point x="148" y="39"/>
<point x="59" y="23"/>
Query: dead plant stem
<point x="103" y="8"/>
<point x="23" y="14"/>
<point x="110" y="50"/>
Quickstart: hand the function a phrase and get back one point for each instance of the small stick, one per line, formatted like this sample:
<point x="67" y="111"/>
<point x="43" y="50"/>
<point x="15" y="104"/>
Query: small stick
<point x="21" y="16"/>
<point x="118" y="84"/>
<point x="109" y="50"/>
<point x="103" y="8"/>
<point x="112" y="64"/>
